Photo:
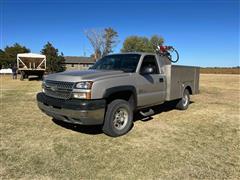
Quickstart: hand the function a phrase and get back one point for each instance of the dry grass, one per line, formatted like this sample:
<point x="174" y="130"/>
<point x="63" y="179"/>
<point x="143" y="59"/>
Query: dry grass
<point x="200" y="143"/>
<point x="220" y="70"/>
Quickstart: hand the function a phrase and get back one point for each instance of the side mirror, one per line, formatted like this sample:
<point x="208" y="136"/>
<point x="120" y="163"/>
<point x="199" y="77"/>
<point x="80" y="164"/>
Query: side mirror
<point x="147" y="70"/>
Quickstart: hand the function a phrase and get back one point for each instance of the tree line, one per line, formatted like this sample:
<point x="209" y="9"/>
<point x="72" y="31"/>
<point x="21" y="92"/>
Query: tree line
<point x="55" y="60"/>
<point x="103" y="41"/>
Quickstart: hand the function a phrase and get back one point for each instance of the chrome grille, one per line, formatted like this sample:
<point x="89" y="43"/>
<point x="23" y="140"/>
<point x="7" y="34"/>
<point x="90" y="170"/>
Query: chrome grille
<point x="60" y="84"/>
<point x="58" y="89"/>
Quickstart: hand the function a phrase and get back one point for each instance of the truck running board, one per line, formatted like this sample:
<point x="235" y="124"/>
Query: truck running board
<point x="148" y="113"/>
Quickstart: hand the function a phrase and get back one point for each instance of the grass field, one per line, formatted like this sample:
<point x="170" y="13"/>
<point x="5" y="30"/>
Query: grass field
<point x="220" y="70"/>
<point x="200" y="143"/>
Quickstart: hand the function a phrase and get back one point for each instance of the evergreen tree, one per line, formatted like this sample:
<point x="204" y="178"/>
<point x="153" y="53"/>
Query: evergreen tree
<point x="8" y="56"/>
<point x="55" y="62"/>
<point x="110" y="40"/>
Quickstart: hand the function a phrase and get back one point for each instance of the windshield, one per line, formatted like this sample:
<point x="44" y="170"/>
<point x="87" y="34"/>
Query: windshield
<point x="124" y="62"/>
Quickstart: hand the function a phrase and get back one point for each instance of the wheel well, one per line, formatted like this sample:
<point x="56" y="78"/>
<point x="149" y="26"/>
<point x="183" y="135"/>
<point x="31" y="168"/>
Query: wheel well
<point x="189" y="89"/>
<point x="125" y="95"/>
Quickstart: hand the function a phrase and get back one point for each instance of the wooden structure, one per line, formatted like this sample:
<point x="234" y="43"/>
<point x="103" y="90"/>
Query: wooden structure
<point x="31" y="64"/>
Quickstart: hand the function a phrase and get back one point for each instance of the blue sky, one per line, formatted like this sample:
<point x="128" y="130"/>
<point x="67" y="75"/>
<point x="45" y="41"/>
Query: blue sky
<point x="206" y="33"/>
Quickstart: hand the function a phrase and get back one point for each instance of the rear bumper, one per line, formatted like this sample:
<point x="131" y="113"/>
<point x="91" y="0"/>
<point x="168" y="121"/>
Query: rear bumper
<point x="85" y="112"/>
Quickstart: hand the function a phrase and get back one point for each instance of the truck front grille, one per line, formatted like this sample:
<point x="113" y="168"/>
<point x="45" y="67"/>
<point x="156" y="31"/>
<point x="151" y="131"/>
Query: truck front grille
<point x="58" y="89"/>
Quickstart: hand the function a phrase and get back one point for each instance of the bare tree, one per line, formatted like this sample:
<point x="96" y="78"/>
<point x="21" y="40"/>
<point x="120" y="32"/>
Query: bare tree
<point x="96" y="38"/>
<point x="102" y="40"/>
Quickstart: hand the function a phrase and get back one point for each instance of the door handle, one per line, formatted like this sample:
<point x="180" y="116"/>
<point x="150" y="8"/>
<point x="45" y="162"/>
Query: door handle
<point x="161" y="80"/>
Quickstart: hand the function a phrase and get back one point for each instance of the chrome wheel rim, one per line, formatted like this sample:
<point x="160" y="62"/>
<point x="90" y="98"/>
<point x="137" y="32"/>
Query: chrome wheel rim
<point x="185" y="100"/>
<point x="120" y="118"/>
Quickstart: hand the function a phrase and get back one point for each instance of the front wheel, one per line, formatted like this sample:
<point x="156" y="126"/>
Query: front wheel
<point x="118" y="118"/>
<point x="184" y="101"/>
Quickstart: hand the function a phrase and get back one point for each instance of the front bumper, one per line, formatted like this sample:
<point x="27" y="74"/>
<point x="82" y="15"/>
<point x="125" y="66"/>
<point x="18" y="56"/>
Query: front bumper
<point x="85" y="112"/>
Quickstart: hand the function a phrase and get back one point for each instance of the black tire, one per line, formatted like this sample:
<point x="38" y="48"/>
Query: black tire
<point x="40" y="77"/>
<point x="183" y="103"/>
<point x="110" y="124"/>
<point x="22" y="75"/>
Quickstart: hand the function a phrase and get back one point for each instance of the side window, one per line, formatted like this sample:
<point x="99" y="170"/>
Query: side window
<point x="150" y="61"/>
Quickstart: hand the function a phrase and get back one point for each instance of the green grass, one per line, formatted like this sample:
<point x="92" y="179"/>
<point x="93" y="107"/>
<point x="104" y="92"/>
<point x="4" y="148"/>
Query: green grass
<point x="200" y="143"/>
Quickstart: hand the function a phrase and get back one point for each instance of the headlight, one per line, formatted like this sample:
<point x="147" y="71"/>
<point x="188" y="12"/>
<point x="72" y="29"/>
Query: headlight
<point x="82" y="90"/>
<point x="81" y="95"/>
<point x="84" y="85"/>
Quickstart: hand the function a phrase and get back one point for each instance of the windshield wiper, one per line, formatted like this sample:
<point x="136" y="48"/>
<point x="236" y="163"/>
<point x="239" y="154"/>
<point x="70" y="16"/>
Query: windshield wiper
<point x="126" y="70"/>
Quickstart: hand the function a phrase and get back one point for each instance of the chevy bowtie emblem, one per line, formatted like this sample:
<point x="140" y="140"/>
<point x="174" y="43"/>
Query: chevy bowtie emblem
<point x="54" y="88"/>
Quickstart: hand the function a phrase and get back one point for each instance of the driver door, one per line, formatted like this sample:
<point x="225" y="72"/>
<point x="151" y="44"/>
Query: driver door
<point x="151" y="87"/>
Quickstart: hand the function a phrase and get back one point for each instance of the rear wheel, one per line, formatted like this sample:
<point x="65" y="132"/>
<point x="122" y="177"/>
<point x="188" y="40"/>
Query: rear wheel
<point x="118" y="118"/>
<point x="22" y="75"/>
<point x="41" y="76"/>
<point x="184" y="101"/>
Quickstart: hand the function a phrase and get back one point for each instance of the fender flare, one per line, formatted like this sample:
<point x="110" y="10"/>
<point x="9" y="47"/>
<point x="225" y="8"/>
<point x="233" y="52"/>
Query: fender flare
<point x="187" y="85"/>
<point x="117" y="89"/>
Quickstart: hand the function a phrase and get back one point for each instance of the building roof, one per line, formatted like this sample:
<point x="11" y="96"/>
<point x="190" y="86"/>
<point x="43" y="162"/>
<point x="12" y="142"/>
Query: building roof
<point x="79" y="60"/>
<point x="31" y="55"/>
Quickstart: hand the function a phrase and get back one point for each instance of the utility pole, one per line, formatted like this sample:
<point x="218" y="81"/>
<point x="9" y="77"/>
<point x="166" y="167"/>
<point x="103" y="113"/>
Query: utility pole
<point x="84" y="51"/>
